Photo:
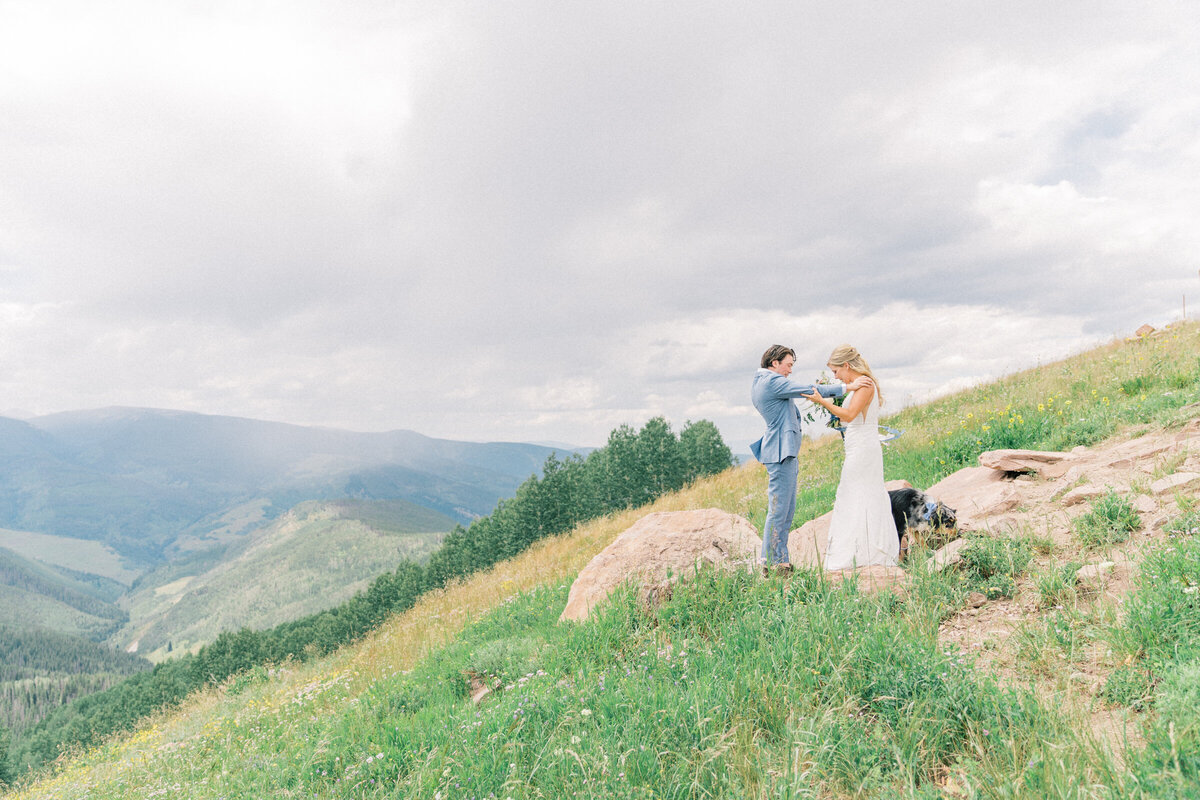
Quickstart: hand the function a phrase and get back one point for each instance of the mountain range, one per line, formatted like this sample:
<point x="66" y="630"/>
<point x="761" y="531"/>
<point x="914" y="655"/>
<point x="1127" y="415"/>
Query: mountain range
<point x="157" y="484"/>
<point x="155" y="530"/>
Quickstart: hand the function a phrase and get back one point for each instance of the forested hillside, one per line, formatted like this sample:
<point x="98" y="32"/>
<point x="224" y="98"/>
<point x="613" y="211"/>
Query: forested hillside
<point x="42" y="670"/>
<point x="633" y="467"/>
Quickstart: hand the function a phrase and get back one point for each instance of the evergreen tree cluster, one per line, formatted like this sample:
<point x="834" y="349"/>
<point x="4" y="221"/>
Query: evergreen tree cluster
<point x="633" y="468"/>
<point x="27" y="654"/>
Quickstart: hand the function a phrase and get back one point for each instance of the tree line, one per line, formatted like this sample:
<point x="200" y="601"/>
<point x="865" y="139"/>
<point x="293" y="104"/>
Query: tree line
<point x="633" y="468"/>
<point x="29" y="653"/>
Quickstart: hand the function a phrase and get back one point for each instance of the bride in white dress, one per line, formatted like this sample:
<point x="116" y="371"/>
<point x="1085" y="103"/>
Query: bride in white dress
<point x="862" y="532"/>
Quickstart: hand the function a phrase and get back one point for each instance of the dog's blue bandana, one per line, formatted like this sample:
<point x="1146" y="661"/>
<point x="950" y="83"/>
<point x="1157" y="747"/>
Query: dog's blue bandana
<point x="892" y="433"/>
<point x="930" y="508"/>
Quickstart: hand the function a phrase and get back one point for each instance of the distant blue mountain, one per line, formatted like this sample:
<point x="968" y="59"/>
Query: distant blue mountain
<point x="141" y="479"/>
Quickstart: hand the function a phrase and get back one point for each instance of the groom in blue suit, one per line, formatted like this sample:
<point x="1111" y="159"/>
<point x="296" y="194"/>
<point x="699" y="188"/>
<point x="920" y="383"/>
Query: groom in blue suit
<point x="773" y="392"/>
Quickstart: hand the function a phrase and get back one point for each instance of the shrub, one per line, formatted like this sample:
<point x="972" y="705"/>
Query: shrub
<point x="993" y="562"/>
<point x="1185" y="525"/>
<point x="1110" y="520"/>
<point x="1170" y="764"/>
<point x="1162" y="618"/>
<point x="1130" y="685"/>
<point x="1056" y="587"/>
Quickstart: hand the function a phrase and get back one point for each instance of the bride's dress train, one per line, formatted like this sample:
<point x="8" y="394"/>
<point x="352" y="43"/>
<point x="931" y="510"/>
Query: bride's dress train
<point x="862" y="532"/>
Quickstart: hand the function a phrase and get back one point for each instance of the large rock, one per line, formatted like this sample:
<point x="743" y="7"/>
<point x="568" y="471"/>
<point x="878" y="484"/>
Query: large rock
<point x="662" y="548"/>
<point x="1133" y="452"/>
<point x="948" y="556"/>
<point x="806" y="544"/>
<point x="873" y="579"/>
<point x="1173" y="483"/>
<point x="1082" y="493"/>
<point x="1045" y="463"/>
<point x="976" y="493"/>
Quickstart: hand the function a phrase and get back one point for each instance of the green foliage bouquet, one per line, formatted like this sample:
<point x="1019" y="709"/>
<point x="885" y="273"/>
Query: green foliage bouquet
<point x="813" y="416"/>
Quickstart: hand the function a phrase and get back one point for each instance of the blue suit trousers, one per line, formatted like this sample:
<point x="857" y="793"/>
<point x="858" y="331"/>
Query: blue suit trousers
<point x="781" y="507"/>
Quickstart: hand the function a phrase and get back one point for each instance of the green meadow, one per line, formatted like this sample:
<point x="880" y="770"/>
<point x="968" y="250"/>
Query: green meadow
<point x="740" y="687"/>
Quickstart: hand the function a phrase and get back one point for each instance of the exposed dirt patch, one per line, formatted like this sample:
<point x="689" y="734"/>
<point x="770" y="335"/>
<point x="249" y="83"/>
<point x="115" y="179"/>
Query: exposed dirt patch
<point x="1025" y="636"/>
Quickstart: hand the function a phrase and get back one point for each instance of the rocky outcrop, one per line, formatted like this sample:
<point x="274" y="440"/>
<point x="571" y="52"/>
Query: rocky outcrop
<point x="1044" y="463"/>
<point x="1082" y="493"/>
<point x="948" y="556"/>
<point x="1173" y="483"/>
<point x="660" y="549"/>
<point x="1126" y="456"/>
<point x="976" y="493"/>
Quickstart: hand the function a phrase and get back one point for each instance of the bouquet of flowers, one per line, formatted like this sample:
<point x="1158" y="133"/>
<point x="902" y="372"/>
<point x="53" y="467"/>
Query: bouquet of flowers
<point x="814" y="418"/>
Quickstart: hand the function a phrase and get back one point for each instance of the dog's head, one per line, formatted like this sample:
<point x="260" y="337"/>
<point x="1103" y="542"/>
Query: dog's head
<point x="938" y="514"/>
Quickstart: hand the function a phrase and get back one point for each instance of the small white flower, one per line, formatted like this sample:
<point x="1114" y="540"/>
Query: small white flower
<point x="587" y="712"/>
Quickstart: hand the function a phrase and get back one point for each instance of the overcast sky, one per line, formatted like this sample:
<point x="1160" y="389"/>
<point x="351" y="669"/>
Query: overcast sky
<point x="537" y="221"/>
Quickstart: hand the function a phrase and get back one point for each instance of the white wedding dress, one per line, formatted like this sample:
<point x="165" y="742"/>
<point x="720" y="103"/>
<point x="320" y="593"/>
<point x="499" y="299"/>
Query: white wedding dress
<point x="861" y="531"/>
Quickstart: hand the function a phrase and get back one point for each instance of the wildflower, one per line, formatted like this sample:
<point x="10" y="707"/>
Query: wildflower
<point x="587" y="712"/>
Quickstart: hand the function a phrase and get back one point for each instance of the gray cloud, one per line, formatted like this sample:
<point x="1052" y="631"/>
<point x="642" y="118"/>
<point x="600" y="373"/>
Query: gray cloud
<point x="540" y="220"/>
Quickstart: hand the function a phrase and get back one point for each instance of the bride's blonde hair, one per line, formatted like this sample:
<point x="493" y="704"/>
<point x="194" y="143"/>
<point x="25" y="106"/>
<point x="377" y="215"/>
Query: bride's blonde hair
<point x="847" y="355"/>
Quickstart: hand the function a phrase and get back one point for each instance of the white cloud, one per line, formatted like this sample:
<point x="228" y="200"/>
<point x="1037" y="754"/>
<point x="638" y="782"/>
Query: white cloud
<point x="541" y="220"/>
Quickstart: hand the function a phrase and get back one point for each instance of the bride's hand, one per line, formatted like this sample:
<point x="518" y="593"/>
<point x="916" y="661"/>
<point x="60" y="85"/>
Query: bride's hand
<point x="860" y="382"/>
<point x="815" y="397"/>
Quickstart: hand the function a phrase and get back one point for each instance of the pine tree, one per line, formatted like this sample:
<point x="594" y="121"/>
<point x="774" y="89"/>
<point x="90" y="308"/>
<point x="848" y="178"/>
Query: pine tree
<point x="6" y="769"/>
<point x="661" y="460"/>
<point x="704" y="451"/>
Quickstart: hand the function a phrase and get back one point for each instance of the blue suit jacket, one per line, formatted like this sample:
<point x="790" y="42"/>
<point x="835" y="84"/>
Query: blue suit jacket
<point x="772" y="395"/>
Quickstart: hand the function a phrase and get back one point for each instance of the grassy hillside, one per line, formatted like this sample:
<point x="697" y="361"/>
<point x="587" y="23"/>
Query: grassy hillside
<point x="36" y="595"/>
<point x="312" y="558"/>
<point x="76" y="555"/>
<point x="740" y="687"/>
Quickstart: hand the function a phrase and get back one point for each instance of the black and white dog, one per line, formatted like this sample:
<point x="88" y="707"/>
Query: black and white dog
<point x="913" y="509"/>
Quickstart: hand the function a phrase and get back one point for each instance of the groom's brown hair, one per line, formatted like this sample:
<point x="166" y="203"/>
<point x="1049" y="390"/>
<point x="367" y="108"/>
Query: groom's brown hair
<point x="776" y="352"/>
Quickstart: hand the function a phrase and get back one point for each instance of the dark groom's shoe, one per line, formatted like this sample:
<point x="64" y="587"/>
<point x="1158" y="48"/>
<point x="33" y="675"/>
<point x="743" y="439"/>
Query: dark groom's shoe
<point x="783" y="570"/>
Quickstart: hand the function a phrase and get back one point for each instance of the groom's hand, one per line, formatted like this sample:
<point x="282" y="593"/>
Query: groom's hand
<point x="859" y="383"/>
